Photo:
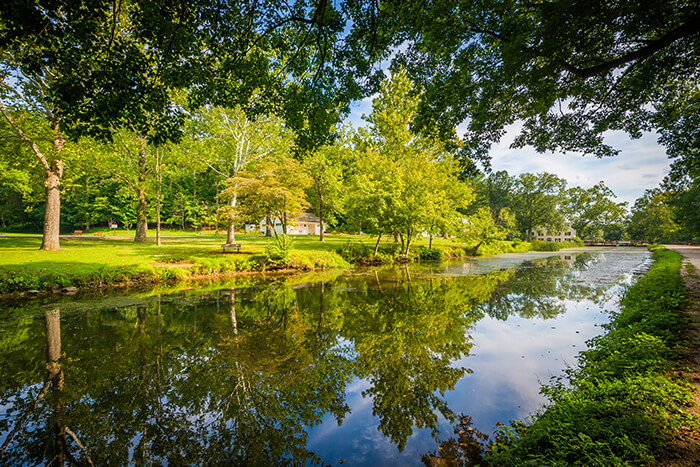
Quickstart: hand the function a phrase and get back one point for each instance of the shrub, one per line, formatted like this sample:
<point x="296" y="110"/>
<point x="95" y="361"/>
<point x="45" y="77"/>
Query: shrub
<point x="355" y="252"/>
<point x="171" y="273"/>
<point x="429" y="254"/>
<point x="538" y="245"/>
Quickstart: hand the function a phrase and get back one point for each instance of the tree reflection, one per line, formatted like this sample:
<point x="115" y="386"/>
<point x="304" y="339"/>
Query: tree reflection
<point x="465" y="449"/>
<point x="537" y="289"/>
<point x="406" y="336"/>
<point x="238" y="375"/>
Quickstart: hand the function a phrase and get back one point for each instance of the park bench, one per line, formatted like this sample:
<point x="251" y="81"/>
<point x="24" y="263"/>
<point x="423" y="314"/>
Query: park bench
<point x="77" y="232"/>
<point x="237" y="246"/>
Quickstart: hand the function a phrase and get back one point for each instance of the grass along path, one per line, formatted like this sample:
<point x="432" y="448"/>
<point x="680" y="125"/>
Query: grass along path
<point x="627" y="401"/>
<point x="687" y="444"/>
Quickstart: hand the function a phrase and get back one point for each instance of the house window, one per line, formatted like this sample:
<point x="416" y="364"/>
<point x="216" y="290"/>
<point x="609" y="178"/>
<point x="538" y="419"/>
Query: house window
<point x="568" y="234"/>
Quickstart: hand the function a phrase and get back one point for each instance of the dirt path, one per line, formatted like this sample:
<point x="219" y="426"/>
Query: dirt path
<point x="688" y="444"/>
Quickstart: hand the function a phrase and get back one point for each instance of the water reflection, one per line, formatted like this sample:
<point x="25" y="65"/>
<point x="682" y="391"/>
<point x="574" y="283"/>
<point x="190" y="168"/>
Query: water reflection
<point x="258" y="371"/>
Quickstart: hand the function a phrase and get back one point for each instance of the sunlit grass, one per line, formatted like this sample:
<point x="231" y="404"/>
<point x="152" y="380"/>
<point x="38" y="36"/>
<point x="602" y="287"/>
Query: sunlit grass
<point x="104" y="257"/>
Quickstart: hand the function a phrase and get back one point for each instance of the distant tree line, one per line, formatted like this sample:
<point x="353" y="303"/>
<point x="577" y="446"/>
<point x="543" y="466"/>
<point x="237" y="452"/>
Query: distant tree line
<point x="229" y="169"/>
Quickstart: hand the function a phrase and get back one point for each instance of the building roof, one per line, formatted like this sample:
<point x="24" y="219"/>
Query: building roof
<point x="308" y="217"/>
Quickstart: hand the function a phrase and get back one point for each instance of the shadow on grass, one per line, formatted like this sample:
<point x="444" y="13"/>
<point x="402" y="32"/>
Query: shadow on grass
<point x="7" y="241"/>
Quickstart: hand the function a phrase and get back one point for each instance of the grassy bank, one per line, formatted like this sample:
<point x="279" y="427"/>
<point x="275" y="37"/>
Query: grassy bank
<point x="622" y="405"/>
<point x="93" y="260"/>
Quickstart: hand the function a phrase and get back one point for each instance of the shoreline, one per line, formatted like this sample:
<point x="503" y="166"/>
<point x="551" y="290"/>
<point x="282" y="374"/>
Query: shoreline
<point x="155" y="278"/>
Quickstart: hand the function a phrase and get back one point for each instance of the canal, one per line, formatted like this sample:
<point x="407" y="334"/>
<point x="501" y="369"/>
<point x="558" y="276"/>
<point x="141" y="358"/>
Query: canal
<point x="362" y="367"/>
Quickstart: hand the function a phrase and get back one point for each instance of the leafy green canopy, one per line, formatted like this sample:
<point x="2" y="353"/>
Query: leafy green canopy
<point x="110" y="64"/>
<point x="570" y="70"/>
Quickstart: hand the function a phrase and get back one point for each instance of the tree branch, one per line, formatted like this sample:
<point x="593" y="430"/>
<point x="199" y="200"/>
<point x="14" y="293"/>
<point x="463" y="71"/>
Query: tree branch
<point x="653" y="46"/>
<point x="24" y="138"/>
<point x="80" y="445"/>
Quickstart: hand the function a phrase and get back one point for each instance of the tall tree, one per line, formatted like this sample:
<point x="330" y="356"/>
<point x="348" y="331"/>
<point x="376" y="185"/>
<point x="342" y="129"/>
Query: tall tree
<point x="537" y="202"/>
<point x="32" y="94"/>
<point x="652" y="218"/>
<point x="404" y="183"/>
<point x="92" y="69"/>
<point x="592" y="209"/>
<point x="231" y="143"/>
<point x="274" y="189"/>
<point x="325" y="168"/>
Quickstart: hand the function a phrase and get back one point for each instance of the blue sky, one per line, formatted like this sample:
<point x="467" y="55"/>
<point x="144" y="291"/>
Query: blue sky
<point x="641" y="164"/>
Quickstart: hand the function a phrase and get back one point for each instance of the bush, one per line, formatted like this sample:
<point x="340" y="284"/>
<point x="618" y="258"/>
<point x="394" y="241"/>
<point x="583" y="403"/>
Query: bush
<point x="429" y="254"/>
<point x="603" y="422"/>
<point x="171" y="273"/>
<point x="538" y="245"/>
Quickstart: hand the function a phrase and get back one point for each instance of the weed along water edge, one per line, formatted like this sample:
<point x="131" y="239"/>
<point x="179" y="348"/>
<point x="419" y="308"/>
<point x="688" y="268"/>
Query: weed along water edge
<point x="368" y="367"/>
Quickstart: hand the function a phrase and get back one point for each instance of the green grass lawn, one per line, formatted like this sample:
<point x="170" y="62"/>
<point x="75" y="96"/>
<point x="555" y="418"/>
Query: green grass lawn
<point x="113" y="257"/>
<point x="118" y="249"/>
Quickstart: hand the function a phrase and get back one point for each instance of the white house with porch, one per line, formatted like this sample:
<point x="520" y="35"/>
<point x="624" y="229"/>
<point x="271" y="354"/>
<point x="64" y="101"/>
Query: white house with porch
<point x="568" y="234"/>
<point x="305" y="224"/>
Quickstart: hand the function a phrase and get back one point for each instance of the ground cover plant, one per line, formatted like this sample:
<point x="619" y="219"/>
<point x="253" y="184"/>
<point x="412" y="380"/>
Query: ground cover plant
<point x="98" y="258"/>
<point x="622" y="405"/>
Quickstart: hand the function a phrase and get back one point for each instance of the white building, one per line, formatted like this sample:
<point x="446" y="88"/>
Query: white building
<point x="544" y="235"/>
<point x="305" y="224"/>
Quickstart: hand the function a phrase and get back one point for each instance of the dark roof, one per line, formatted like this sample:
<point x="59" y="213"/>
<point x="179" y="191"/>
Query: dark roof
<point x="308" y="217"/>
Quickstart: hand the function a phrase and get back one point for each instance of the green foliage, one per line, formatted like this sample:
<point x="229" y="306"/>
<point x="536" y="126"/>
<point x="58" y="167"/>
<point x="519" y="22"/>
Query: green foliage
<point x="538" y="245"/>
<point x="593" y="209"/>
<point x="430" y="254"/>
<point x="652" y="218"/>
<point x="278" y="251"/>
<point x="570" y="71"/>
<point x="537" y="200"/>
<point x="621" y="407"/>
<point x="355" y="253"/>
<point x="619" y="421"/>
<point x="403" y="183"/>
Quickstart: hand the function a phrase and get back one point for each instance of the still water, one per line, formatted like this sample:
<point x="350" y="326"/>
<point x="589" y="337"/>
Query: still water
<point x="369" y="367"/>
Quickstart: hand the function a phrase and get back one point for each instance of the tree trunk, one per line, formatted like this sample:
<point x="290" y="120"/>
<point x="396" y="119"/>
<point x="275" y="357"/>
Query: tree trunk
<point x="376" y="245"/>
<point x="159" y="181"/>
<point x="268" y="219"/>
<point x="232" y="313"/>
<point x="87" y="204"/>
<point x="52" y="320"/>
<point x="52" y="217"/>
<point x="408" y="245"/>
<point x="475" y="249"/>
<point x="54" y="172"/>
<point x="216" y="199"/>
<point x="193" y="222"/>
<point x="231" y="234"/>
<point x="430" y="244"/>
<point x="320" y="216"/>
<point x="141" y="221"/>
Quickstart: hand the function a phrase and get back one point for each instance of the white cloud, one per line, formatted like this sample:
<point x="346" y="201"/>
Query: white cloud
<point x="641" y="164"/>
